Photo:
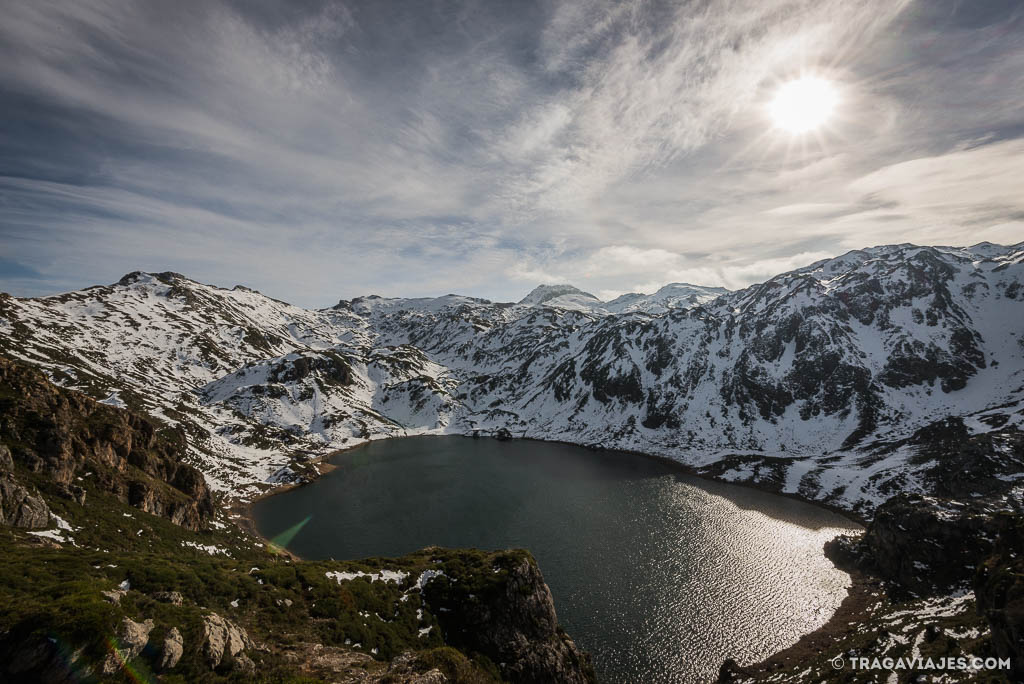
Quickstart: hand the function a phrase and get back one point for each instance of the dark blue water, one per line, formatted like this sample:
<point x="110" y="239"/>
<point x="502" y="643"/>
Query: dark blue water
<point x="661" y="576"/>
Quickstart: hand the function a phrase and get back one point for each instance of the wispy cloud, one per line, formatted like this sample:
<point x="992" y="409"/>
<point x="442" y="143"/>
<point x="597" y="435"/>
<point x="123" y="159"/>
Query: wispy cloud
<point x="331" y="149"/>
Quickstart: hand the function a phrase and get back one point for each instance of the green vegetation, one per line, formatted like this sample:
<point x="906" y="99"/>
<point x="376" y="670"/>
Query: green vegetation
<point x="283" y="603"/>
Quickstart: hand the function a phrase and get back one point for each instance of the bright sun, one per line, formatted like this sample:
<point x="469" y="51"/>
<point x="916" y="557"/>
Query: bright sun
<point x="803" y="105"/>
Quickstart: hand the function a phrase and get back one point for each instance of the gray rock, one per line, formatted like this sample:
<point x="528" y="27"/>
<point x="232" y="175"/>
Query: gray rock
<point x="19" y="508"/>
<point x="174" y="646"/>
<point x="73" y="492"/>
<point x="173" y="597"/>
<point x="405" y="668"/>
<point x="114" y="596"/>
<point x="244" y="663"/>
<point x="132" y="637"/>
<point x="222" y="637"/>
<point x="6" y="462"/>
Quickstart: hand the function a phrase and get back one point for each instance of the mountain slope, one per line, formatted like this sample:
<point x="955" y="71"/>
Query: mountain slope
<point x="671" y="296"/>
<point x="833" y="381"/>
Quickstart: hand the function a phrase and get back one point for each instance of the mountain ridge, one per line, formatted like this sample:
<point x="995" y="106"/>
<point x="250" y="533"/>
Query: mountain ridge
<point x="817" y="379"/>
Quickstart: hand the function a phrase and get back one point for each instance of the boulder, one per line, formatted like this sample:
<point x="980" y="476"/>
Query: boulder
<point x="221" y="638"/>
<point x="132" y="637"/>
<point x="6" y="462"/>
<point x="173" y="597"/>
<point x="19" y="508"/>
<point x="174" y="646"/>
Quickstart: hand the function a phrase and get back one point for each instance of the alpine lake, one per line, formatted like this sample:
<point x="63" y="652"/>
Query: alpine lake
<point x="660" y="575"/>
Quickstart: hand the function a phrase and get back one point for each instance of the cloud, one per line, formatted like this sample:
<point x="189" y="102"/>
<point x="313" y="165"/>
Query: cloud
<point x="325" y="149"/>
<point x="967" y="188"/>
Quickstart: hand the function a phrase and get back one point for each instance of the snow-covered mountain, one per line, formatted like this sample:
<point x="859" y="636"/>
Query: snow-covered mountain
<point x="562" y="297"/>
<point x="886" y="369"/>
<point x="672" y="296"/>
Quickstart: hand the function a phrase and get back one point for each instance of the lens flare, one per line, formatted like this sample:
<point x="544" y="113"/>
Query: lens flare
<point x="281" y="541"/>
<point x="133" y="674"/>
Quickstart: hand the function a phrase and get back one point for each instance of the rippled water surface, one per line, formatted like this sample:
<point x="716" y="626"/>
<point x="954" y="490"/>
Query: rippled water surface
<point x="661" y="576"/>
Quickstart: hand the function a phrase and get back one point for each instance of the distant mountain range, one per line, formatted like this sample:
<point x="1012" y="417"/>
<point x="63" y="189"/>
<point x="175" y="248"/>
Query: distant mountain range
<point x="886" y="369"/>
<point x="672" y="296"/>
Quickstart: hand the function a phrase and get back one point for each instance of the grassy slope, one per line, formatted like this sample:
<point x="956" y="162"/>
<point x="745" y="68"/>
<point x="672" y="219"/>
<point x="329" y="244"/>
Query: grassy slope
<point x="56" y="593"/>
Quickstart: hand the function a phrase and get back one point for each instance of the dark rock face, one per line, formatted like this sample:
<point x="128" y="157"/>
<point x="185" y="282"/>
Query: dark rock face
<point x="40" y="660"/>
<point x="999" y="589"/>
<point x="63" y="434"/>
<point x="328" y="366"/>
<point x="984" y="463"/>
<point x="925" y="544"/>
<point x="930" y="546"/>
<point x="513" y="623"/>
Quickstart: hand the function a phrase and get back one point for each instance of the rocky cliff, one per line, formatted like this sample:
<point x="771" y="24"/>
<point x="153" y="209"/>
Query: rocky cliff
<point x="56" y="438"/>
<point x="508" y="614"/>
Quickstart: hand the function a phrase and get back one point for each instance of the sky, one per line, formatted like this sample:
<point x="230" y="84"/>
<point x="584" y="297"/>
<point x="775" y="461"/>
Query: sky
<point x="324" y="150"/>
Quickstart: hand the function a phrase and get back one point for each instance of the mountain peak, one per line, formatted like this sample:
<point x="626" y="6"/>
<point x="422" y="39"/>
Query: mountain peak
<point x="545" y="293"/>
<point x="167" y="277"/>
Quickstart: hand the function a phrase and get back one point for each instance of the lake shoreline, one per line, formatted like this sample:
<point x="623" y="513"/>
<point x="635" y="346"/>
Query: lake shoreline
<point x="852" y="610"/>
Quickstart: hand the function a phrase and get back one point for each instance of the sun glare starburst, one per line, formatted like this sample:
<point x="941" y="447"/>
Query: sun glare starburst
<point x="803" y="105"/>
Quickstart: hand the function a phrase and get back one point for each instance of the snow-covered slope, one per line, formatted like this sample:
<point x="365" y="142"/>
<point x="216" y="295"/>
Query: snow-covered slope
<point x="562" y="297"/>
<point x="836" y="380"/>
<point x="671" y="296"/>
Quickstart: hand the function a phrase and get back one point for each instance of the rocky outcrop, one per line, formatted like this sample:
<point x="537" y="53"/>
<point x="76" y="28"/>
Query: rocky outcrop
<point x="132" y="637"/>
<point x="62" y="435"/>
<point x="335" y="664"/>
<point x="173" y="597"/>
<point x="985" y="464"/>
<point x="511" y="620"/>
<point x="925" y="545"/>
<point x="999" y="590"/>
<point x="19" y="508"/>
<point x="174" y="647"/>
<point x="223" y="641"/>
<point x="407" y="669"/>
